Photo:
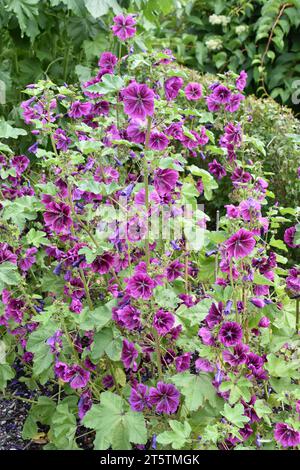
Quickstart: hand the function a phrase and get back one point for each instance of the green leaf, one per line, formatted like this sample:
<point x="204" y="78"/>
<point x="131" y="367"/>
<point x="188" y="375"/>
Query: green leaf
<point x="9" y="132"/>
<point x="37" y="238"/>
<point x="41" y="412"/>
<point x="102" y="339"/>
<point x="197" y="389"/>
<point x="278" y="367"/>
<point x="262" y="408"/>
<point x="177" y="437"/>
<point x="77" y="6"/>
<point x="109" y="84"/>
<point x="6" y="374"/>
<point x="165" y="297"/>
<point x="208" y="181"/>
<point x="9" y="275"/>
<point x="278" y="244"/>
<point x="98" y="318"/>
<point x="262" y="280"/>
<point x="194" y="315"/>
<point x="111" y="416"/>
<point x="20" y="210"/>
<point x="235" y="415"/>
<point x="100" y="8"/>
<point x="63" y="428"/>
<point x="37" y="343"/>
<point x="26" y="12"/>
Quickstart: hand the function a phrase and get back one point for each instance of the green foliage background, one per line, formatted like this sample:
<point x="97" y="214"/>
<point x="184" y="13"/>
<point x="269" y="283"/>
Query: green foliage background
<point x="62" y="38"/>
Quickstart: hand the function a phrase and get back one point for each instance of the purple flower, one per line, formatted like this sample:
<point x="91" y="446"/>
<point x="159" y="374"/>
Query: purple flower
<point x="165" y="180"/>
<point x="139" y="397"/>
<point x="183" y="362"/>
<point x="76" y="306"/>
<point x="140" y="285"/>
<point x="241" y="81"/>
<point x="165" y="397"/>
<point x="221" y="94"/>
<point x="138" y="100"/>
<point x="289" y="236"/>
<point x="102" y="264"/>
<point x="172" y="86"/>
<point x="129" y="354"/>
<point x="257" y="302"/>
<point x="174" y="270"/>
<point x="240" y="244"/>
<point x="78" y="377"/>
<point x="254" y="362"/>
<point x="128" y="317"/>
<point x="108" y="381"/>
<point x="233" y="134"/>
<point x="62" y="140"/>
<point x="28" y="260"/>
<point x="238" y="356"/>
<point x="6" y="254"/>
<point x="215" y="315"/>
<point x="85" y="403"/>
<point x="250" y="209"/>
<point x="20" y="163"/>
<point x="206" y="336"/>
<point x="293" y="280"/>
<point x="234" y="102"/>
<point x="136" y="131"/>
<point x="158" y="141"/>
<point x="204" y="365"/>
<point x="193" y="91"/>
<point x="163" y="322"/>
<point x="55" y="342"/>
<point x="79" y="109"/>
<point x="286" y="435"/>
<point x="62" y="371"/>
<point x="228" y="307"/>
<point x="264" y="322"/>
<point x="107" y="61"/>
<point x="124" y="27"/>
<point x="58" y="217"/>
<point x="217" y="169"/>
<point x="230" y="334"/>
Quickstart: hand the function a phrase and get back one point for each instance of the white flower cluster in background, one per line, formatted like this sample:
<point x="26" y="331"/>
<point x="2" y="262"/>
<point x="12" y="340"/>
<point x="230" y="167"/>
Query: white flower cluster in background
<point x="219" y="19"/>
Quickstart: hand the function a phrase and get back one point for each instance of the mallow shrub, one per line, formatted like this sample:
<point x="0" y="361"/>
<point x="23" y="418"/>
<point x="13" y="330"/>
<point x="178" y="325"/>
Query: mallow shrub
<point x="132" y="317"/>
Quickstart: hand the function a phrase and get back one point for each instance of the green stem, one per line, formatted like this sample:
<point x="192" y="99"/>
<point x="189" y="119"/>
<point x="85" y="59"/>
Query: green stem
<point x="86" y="288"/>
<point x="146" y="183"/>
<point x="157" y="350"/>
<point x="297" y="315"/>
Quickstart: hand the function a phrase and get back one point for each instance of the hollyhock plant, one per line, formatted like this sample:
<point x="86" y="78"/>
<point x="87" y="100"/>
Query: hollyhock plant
<point x="123" y="303"/>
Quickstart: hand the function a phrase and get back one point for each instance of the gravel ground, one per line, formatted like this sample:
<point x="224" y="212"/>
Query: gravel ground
<point x="12" y="416"/>
<point x="13" y="412"/>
